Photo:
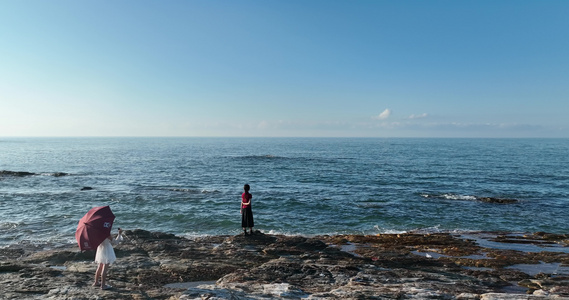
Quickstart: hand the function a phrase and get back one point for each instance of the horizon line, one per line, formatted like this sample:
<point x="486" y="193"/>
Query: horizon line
<point x="284" y="137"/>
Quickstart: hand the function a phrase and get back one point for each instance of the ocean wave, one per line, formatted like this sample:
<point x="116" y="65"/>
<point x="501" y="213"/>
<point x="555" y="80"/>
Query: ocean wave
<point x="498" y="200"/>
<point x="270" y="157"/>
<point x="458" y="197"/>
<point x="263" y="157"/>
<point x="183" y="190"/>
<point x="425" y="230"/>
<point x="197" y="235"/>
<point x="370" y="205"/>
<point x="450" y="196"/>
<point x="176" y="189"/>
<point x="280" y="232"/>
<point x="381" y="230"/>
<point x="8" y="225"/>
<point x="194" y="191"/>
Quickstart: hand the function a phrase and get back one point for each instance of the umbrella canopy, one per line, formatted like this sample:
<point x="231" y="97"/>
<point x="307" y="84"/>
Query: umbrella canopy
<point x="94" y="227"/>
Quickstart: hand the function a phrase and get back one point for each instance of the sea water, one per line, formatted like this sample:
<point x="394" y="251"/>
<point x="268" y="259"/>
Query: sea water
<point x="308" y="186"/>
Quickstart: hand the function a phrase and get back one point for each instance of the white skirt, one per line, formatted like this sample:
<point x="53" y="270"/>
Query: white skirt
<point x="105" y="253"/>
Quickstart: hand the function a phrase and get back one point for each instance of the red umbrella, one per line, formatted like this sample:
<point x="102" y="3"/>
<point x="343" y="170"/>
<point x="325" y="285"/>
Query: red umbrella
<point x="94" y="227"/>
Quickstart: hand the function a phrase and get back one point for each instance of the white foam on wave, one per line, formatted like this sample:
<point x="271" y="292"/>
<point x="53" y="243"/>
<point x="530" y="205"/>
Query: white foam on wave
<point x="458" y="197"/>
<point x="387" y="230"/>
<point x="9" y="225"/>
<point x="278" y="232"/>
<point x="437" y="229"/>
<point x="425" y="230"/>
<point x="450" y="196"/>
<point x="185" y="190"/>
<point x="195" y="235"/>
<point x="204" y="191"/>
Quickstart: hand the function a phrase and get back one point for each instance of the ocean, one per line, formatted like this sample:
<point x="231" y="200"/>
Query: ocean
<point x="308" y="186"/>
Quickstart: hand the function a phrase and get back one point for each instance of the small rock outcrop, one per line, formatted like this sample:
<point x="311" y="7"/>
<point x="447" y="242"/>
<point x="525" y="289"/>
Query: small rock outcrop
<point x="15" y="173"/>
<point x="497" y="200"/>
<point x="5" y="173"/>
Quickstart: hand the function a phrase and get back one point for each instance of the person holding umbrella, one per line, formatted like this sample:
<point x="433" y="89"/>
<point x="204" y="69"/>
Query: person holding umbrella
<point x="104" y="257"/>
<point x="94" y="231"/>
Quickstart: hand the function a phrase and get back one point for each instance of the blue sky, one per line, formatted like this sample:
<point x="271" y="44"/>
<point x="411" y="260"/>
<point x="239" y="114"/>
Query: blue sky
<point x="284" y="68"/>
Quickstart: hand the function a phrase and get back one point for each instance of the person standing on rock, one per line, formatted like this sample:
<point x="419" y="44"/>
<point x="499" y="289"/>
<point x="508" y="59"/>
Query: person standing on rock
<point x="246" y="211"/>
<point x="105" y="257"/>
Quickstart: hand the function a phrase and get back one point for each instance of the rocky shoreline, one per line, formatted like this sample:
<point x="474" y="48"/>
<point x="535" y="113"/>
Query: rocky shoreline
<point x="154" y="265"/>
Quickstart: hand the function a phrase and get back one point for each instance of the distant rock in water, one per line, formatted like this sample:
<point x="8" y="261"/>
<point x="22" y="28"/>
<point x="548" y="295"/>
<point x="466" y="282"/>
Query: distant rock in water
<point x="23" y="174"/>
<point x="59" y="174"/>
<point x="17" y="174"/>
<point x="86" y="188"/>
<point x="497" y="200"/>
<point x="451" y="196"/>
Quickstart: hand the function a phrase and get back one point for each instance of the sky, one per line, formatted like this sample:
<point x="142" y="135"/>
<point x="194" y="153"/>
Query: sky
<point x="268" y="68"/>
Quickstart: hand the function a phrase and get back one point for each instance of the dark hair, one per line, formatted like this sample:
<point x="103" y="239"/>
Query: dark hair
<point x="246" y="188"/>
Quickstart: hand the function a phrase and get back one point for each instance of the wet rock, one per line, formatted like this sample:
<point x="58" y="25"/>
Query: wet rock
<point x="561" y="290"/>
<point x="557" y="238"/>
<point x="497" y="200"/>
<point x="10" y="267"/>
<point x="15" y="173"/>
<point x="59" y="174"/>
<point x="468" y="296"/>
<point x="24" y="174"/>
<point x="86" y="188"/>
<point x="143" y="235"/>
<point x="503" y="296"/>
<point x="530" y="284"/>
<point x="58" y="257"/>
<point x="153" y="265"/>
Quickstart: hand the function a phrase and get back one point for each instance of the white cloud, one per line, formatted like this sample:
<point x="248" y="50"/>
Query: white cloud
<point x="414" y="116"/>
<point x="384" y="115"/>
<point x="263" y="125"/>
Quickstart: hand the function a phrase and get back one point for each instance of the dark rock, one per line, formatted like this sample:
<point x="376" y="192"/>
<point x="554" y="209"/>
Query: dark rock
<point x="148" y="235"/>
<point x="86" y="188"/>
<point x="23" y="174"/>
<point x="9" y="267"/>
<point x="59" y="174"/>
<point x="16" y="174"/>
<point x="497" y="200"/>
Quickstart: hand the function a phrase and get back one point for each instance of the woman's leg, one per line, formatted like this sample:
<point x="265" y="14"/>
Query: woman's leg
<point x="98" y="274"/>
<point x="104" y="275"/>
